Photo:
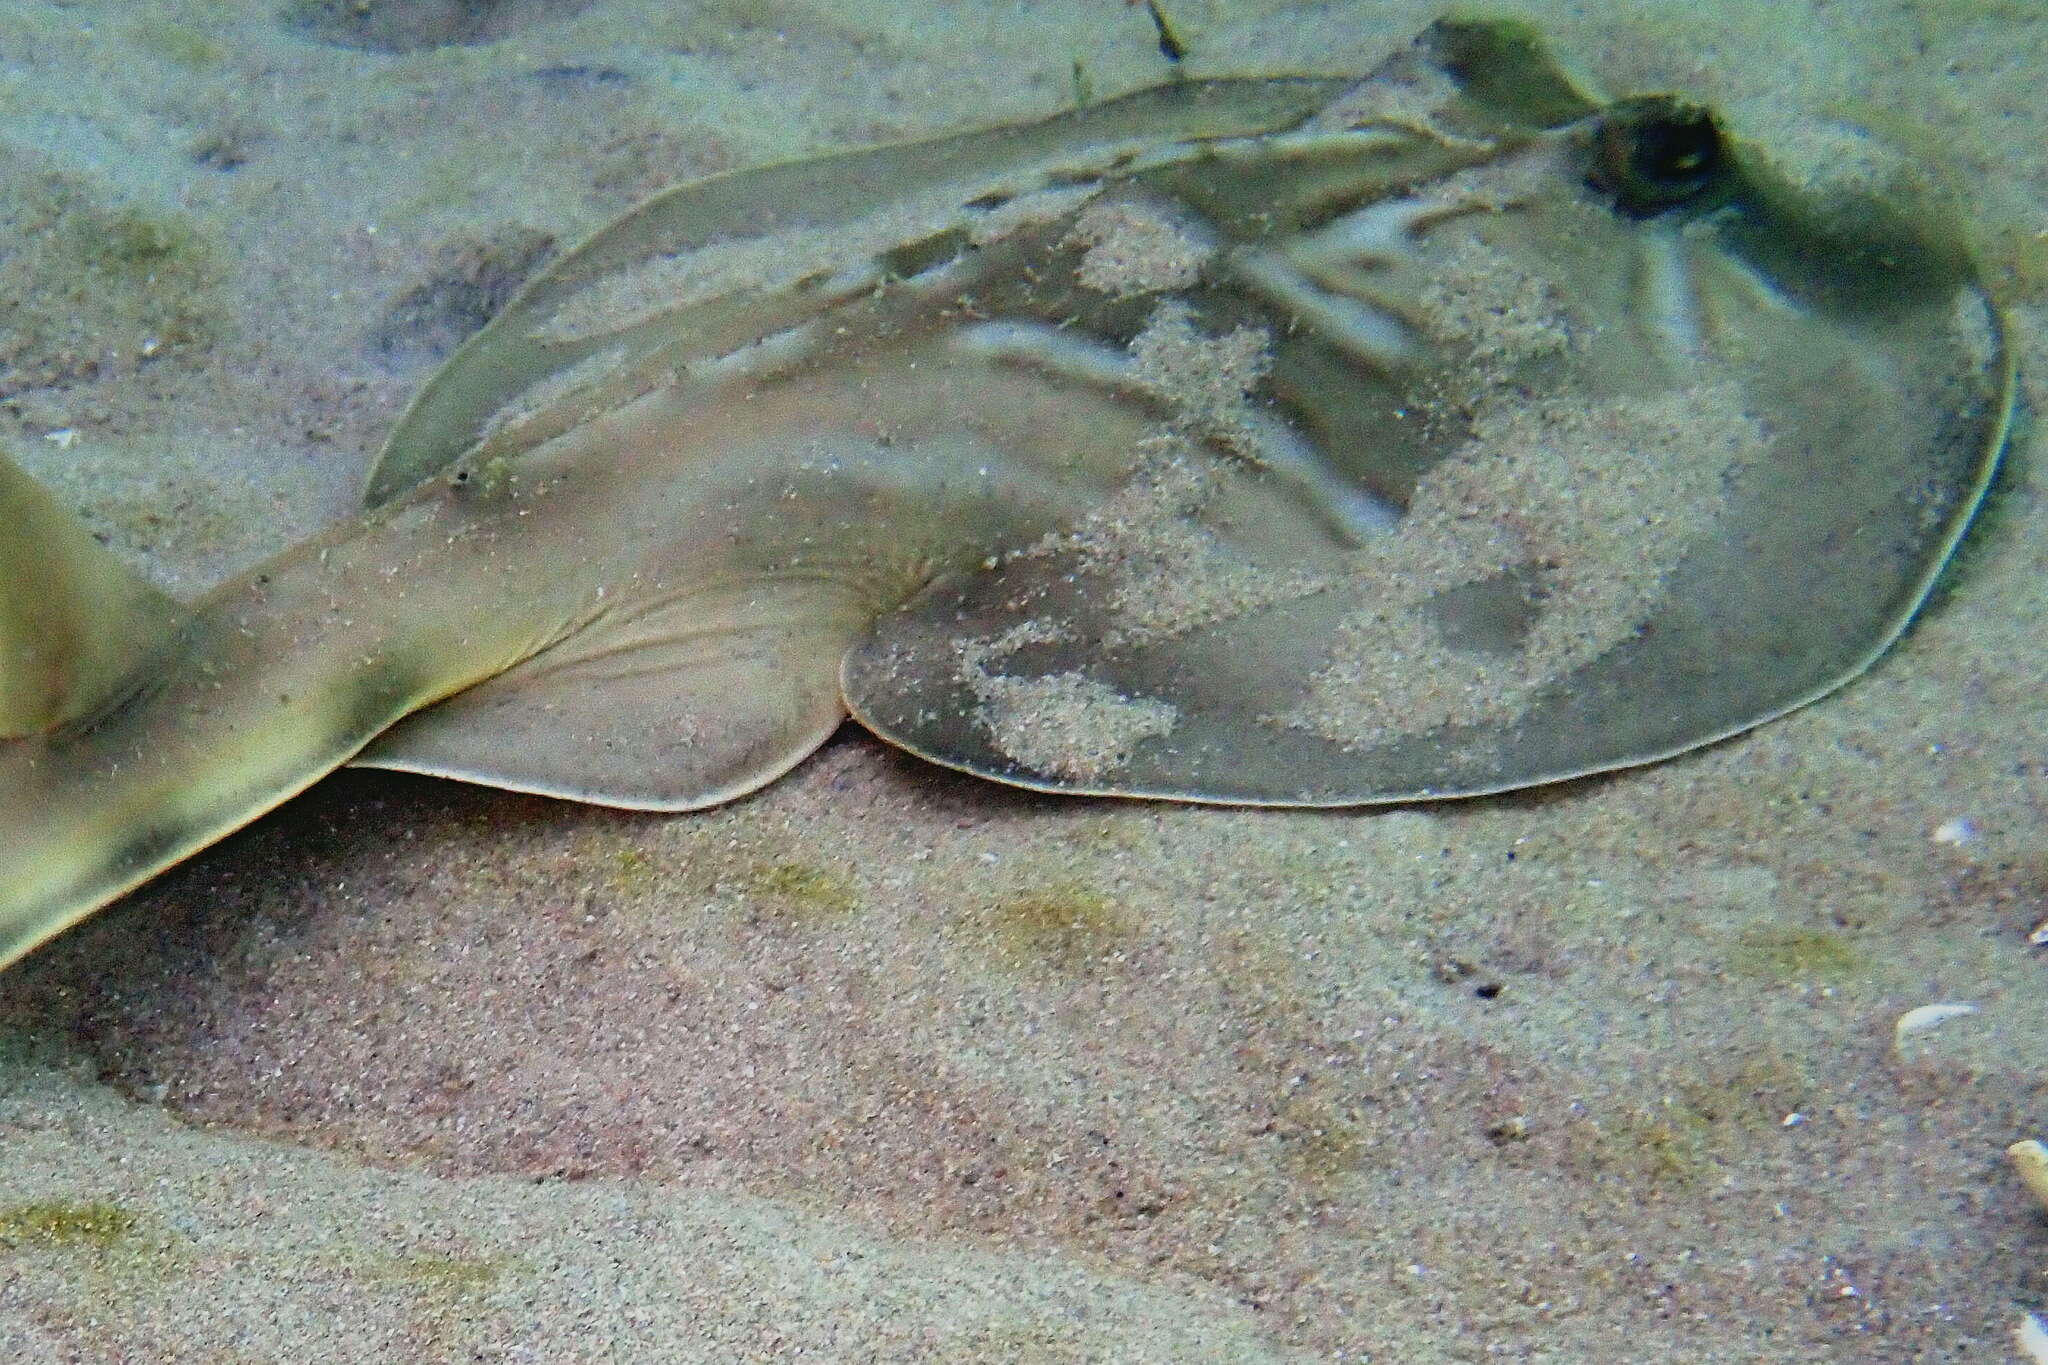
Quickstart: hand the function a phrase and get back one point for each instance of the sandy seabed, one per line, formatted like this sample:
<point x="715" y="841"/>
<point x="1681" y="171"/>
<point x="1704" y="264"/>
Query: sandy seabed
<point x="886" y="1064"/>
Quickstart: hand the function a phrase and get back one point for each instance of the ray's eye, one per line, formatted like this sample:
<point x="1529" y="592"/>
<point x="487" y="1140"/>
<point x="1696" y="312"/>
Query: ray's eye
<point x="1655" y="153"/>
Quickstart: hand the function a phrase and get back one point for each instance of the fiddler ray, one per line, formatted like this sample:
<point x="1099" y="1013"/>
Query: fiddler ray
<point x="1290" y="441"/>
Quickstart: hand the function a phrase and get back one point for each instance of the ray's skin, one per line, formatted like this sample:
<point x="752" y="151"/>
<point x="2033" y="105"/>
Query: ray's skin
<point x="706" y="484"/>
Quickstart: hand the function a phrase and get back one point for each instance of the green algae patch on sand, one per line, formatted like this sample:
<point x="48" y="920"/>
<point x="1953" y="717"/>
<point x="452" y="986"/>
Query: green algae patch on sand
<point x="799" y="890"/>
<point x="449" y="1276"/>
<point x="98" y="286"/>
<point x="59" y="1223"/>
<point x="1791" y="956"/>
<point x="1321" y="1141"/>
<point x="1701" y="1126"/>
<point x="158" y="267"/>
<point x="1063" y="926"/>
<point x="631" y="871"/>
<point x="181" y="45"/>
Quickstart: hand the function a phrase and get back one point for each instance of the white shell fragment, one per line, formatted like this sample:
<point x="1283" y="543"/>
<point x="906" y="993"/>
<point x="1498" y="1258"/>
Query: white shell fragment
<point x="2030" y="1159"/>
<point x="1927" y="1018"/>
<point x="1955" y="832"/>
<point x="2031" y="1336"/>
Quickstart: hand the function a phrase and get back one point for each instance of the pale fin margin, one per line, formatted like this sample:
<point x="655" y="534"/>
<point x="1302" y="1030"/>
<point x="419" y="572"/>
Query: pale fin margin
<point x="74" y="620"/>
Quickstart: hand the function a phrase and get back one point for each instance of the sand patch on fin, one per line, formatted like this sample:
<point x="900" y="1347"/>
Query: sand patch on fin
<point x="1148" y="558"/>
<point x="1068" y="725"/>
<point x="1206" y="378"/>
<point x="1583" y="508"/>
<point x="1498" y="313"/>
<point x="1138" y="246"/>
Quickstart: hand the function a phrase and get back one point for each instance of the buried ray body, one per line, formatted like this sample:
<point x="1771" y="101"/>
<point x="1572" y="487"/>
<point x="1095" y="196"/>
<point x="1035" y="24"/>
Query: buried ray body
<point x="1282" y="441"/>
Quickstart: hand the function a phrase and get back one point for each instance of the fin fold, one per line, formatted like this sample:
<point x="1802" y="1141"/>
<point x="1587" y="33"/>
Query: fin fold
<point x="74" y="620"/>
<point x="698" y="698"/>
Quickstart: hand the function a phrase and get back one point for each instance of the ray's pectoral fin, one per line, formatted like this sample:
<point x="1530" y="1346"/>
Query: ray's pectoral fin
<point x="73" y="619"/>
<point x="694" y="697"/>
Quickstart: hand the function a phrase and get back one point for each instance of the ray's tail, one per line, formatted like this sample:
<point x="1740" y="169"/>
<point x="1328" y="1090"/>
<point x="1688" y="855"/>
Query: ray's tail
<point x="134" y="730"/>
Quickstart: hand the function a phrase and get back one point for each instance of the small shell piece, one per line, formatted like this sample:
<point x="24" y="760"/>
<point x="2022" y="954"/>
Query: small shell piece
<point x="2030" y="1159"/>
<point x="1927" y="1017"/>
<point x="1958" y="831"/>
<point x="2031" y="1336"/>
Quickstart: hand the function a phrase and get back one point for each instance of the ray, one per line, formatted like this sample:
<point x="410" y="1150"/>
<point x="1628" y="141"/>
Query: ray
<point x="1320" y="441"/>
